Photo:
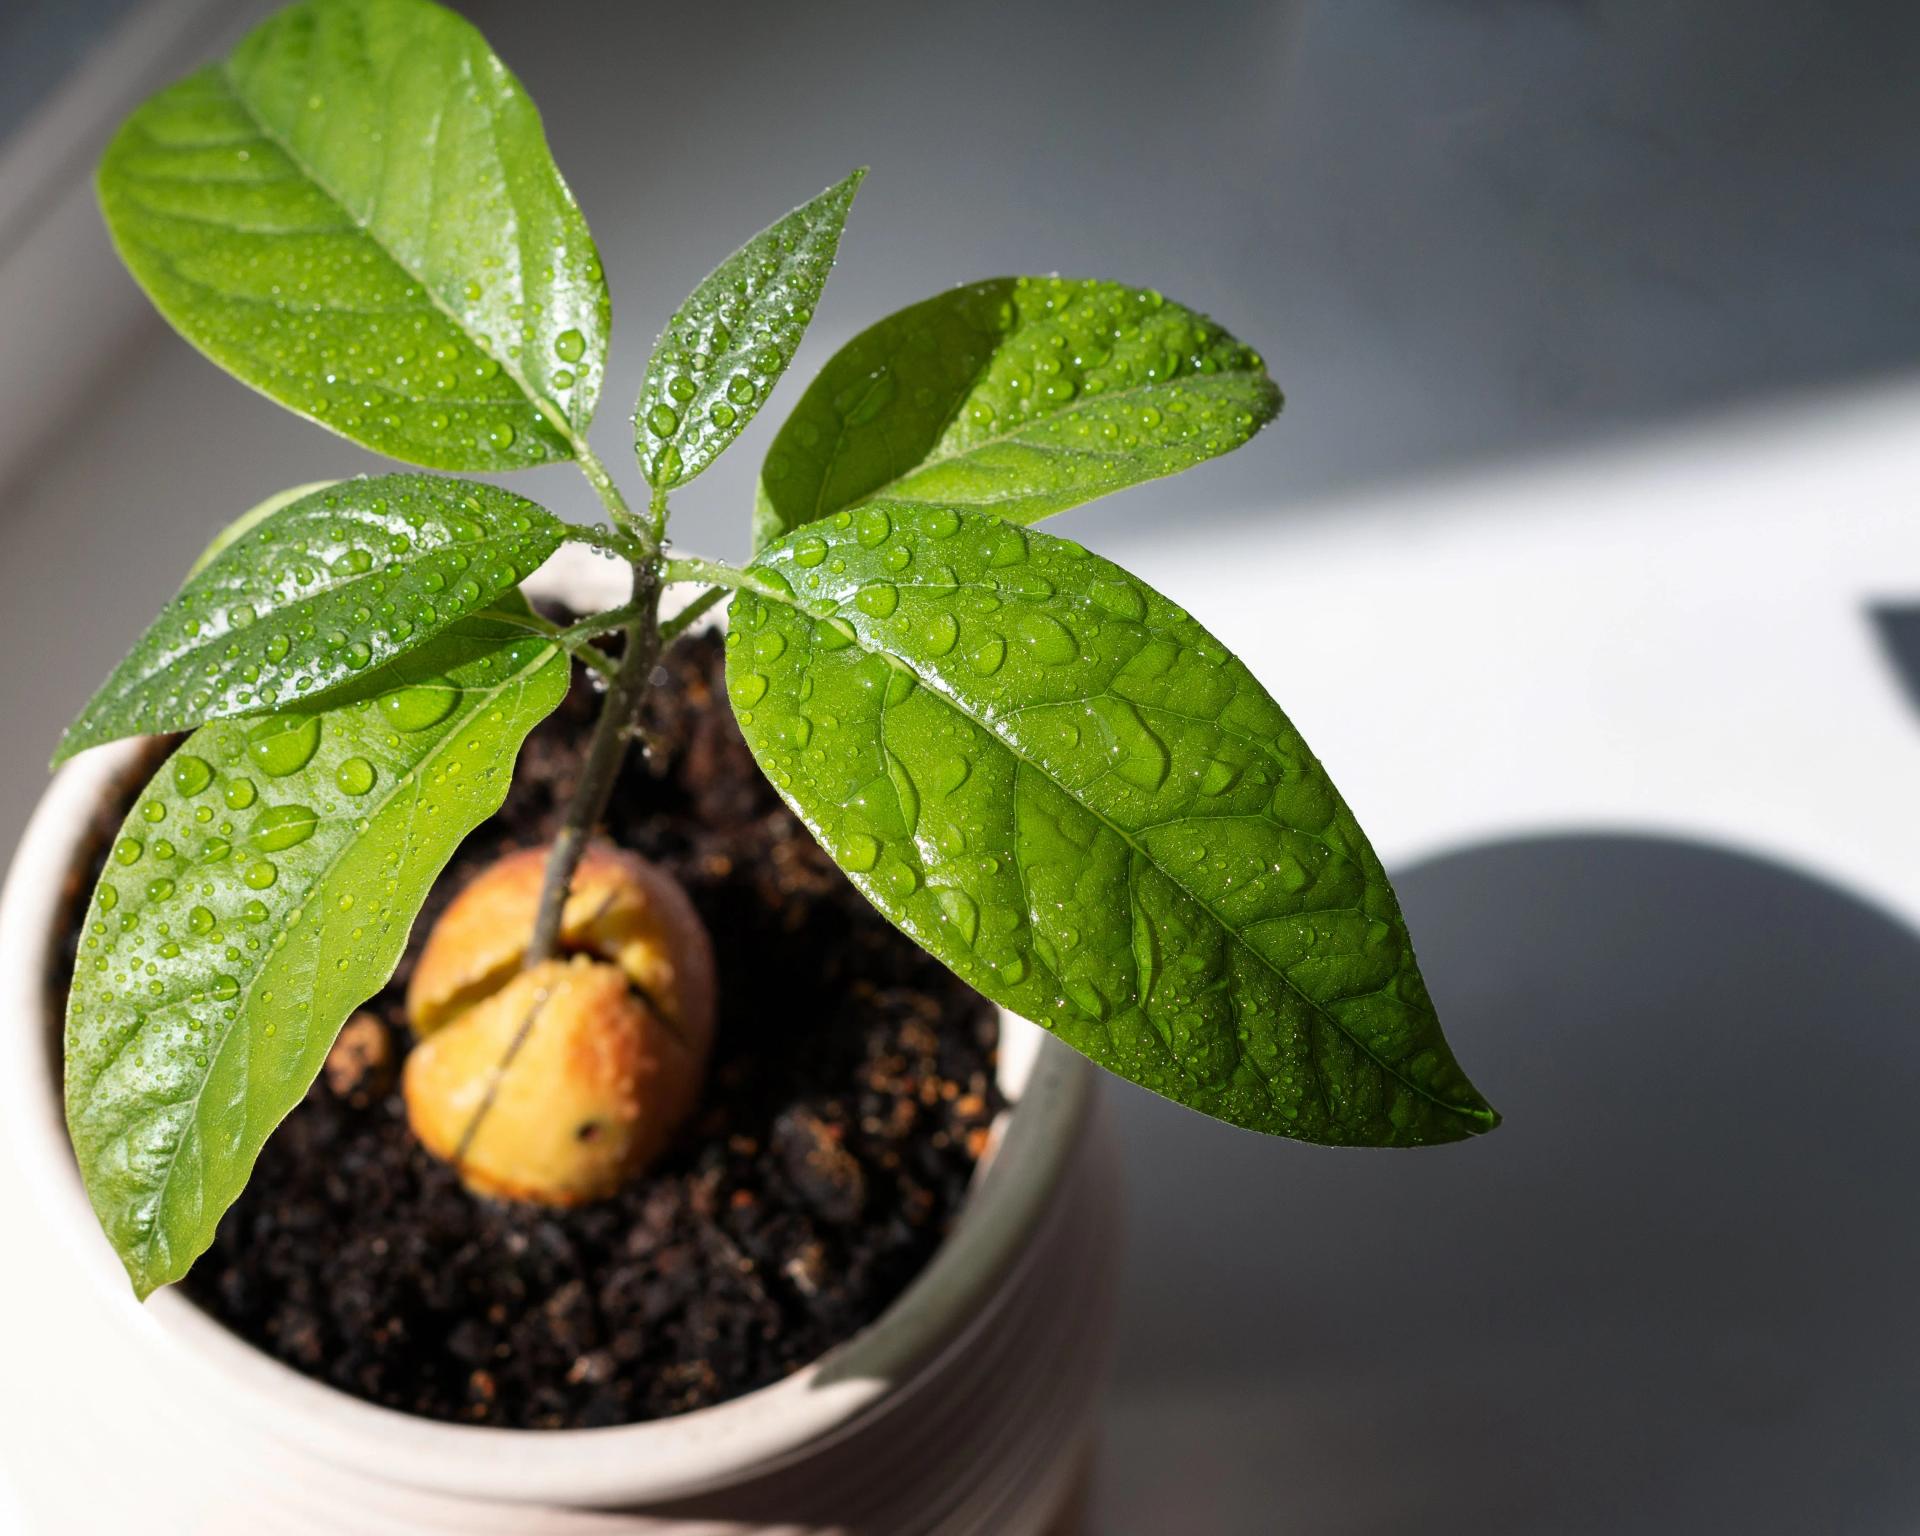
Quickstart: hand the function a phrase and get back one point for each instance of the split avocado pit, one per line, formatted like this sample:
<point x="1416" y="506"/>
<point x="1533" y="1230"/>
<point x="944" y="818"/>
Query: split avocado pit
<point x="613" y="1039"/>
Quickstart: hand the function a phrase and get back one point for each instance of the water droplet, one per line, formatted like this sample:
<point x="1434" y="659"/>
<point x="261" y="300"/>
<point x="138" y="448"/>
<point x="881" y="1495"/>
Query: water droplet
<point x="952" y="773"/>
<point x="1005" y="546"/>
<point x="260" y="874"/>
<point x="749" y="689"/>
<point x="1119" y="598"/>
<point x="255" y="911"/>
<point x="810" y="552"/>
<point x="417" y="707"/>
<point x="1138" y="755"/>
<point x="191" y="774"/>
<point x="871" y="525"/>
<point x="834" y="634"/>
<point x="109" y="897"/>
<point x="128" y="850"/>
<point x="940" y="633"/>
<point x="1047" y="638"/>
<point x="662" y="420"/>
<point x="570" y="346"/>
<point x="284" y="744"/>
<point x="200" y="920"/>
<point x="238" y="793"/>
<point x="1085" y="997"/>
<point x="961" y="911"/>
<point x="501" y="434"/>
<point x="153" y="810"/>
<point x="282" y="826"/>
<point x="355" y="776"/>
<point x="859" y="852"/>
<point x="878" y="600"/>
<point x="986" y="656"/>
<point x="901" y="681"/>
<point x="1218" y="777"/>
<point x="225" y="987"/>
<point x="159" y="889"/>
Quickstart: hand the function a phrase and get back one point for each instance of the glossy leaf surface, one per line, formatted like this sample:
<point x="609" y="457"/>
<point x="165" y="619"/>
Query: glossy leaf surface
<point x="253" y="517"/>
<point x="727" y="346"/>
<point x="1061" y="785"/>
<point x="322" y="589"/>
<point x="357" y="214"/>
<point x="1021" y="397"/>
<point x="262" y="888"/>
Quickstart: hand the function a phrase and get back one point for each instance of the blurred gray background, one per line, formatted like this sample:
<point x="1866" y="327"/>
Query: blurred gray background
<point x="1673" y="1292"/>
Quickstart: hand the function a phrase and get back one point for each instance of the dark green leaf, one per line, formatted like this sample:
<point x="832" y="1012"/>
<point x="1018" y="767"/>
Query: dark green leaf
<point x="721" y="354"/>
<point x="260" y="890"/>
<point x="1066" y="789"/>
<point x="1022" y="397"/>
<point x="323" y="588"/>
<point x="356" y="213"/>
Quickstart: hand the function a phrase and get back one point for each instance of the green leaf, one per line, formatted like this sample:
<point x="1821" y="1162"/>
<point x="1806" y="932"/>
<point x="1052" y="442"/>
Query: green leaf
<point x="321" y="589"/>
<point x="356" y="213"/>
<point x="253" y="517"/>
<point x="261" y="889"/>
<point x="1067" y="790"/>
<point x="726" y="347"/>
<point x="1022" y="397"/>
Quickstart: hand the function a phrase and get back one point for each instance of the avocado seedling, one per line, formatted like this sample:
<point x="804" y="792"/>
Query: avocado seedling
<point x="1046" y="773"/>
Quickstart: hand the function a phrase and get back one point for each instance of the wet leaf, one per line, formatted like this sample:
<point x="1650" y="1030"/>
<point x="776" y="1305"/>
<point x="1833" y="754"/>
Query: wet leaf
<point x="727" y="346"/>
<point x="356" y="213"/>
<point x="1067" y="790"/>
<point x="1022" y="397"/>
<point x="260" y="890"/>
<point x="314" y="592"/>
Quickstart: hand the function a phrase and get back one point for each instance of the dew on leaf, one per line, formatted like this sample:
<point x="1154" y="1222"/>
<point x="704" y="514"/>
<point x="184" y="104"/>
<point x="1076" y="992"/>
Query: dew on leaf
<point x="191" y="774"/>
<point x="282" y="826"/>
<point x="284" y="744"/>
<point x="355" y="776"/>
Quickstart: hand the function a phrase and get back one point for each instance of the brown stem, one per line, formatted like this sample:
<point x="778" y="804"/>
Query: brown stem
<point x="625" y="694"/>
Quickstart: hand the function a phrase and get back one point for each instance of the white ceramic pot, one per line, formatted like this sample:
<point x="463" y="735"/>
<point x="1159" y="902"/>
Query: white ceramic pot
<point x="968" y="1407"/>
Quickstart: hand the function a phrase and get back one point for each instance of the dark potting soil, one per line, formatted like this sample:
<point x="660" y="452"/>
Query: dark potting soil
<point x="851" y="1089"/>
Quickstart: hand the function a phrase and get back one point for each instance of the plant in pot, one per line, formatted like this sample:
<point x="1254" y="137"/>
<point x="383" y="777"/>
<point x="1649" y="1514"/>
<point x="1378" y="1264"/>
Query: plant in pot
<point x="1062" y="792"/>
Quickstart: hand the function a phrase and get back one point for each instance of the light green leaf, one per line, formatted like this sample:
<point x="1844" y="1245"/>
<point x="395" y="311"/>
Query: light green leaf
<point x="261" y="889"/>
<point x="1066" y="789"/>
<point x="319" y="590"/>
<point x="726" y="347"/>
<point x="357" y="214"/>
<point x="1022" y="397"/>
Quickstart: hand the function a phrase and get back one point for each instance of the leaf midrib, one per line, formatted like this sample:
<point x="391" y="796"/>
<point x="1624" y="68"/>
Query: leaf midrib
<point x="938" y="687"/>
<point x="192" y="1130"/>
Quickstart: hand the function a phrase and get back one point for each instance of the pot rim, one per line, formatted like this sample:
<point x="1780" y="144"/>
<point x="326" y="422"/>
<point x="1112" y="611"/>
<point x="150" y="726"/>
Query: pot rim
<point x="1049" y="1085"/>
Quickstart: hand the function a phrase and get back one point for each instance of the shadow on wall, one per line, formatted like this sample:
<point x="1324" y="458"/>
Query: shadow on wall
<point x="1898" y="629"/>
<point x="1672" y="1292"/>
